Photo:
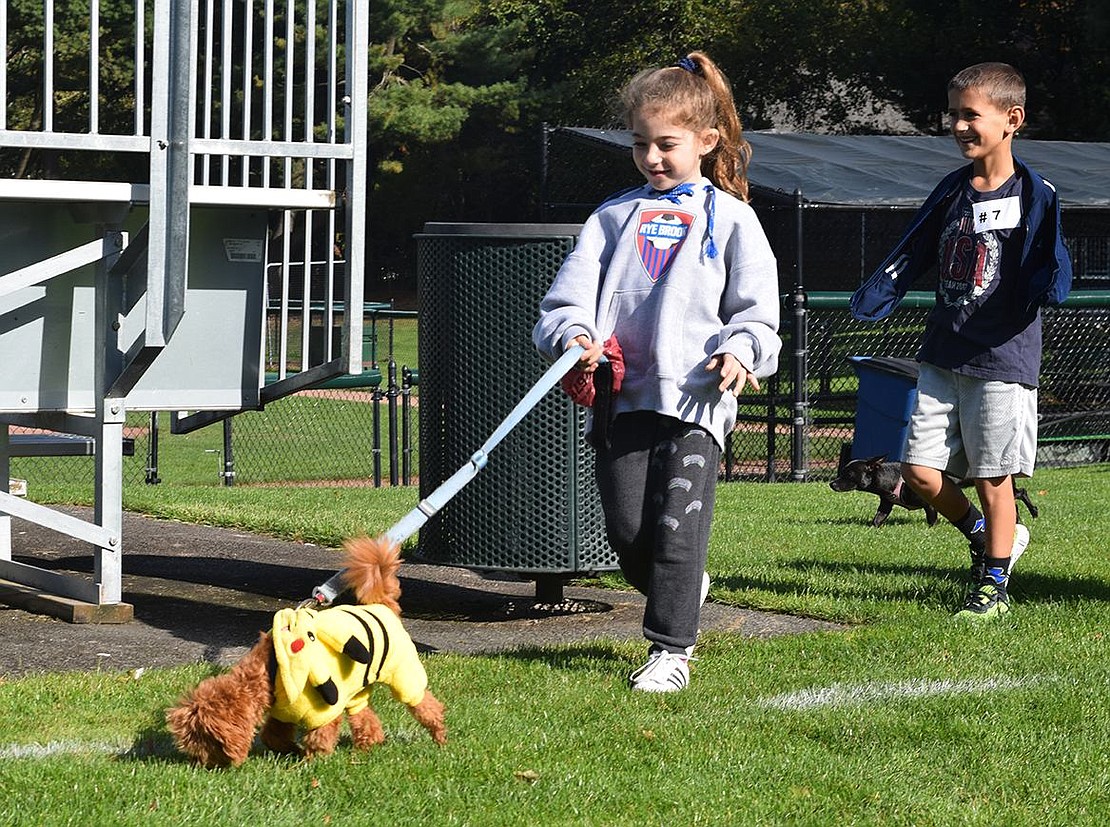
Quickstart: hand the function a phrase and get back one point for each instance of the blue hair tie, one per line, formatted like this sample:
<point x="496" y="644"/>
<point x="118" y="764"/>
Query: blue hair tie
<point x="688" y="64"/>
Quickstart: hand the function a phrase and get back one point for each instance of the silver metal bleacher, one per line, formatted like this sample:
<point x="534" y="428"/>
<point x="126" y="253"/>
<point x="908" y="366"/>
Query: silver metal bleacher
<point x="124" y="295"/>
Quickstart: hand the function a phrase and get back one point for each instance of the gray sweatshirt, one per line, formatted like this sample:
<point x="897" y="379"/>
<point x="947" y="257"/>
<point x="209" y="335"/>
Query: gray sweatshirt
<point x="642" y="269"/>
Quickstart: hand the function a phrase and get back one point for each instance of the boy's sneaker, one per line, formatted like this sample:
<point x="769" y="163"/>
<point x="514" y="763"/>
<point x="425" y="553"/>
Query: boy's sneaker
<point x="664" y="672"/>
<point x="978" y="568"/>
<point x="1021" y="542"/>
<point x="985" y="601"/>
<point x="979" y="554"/>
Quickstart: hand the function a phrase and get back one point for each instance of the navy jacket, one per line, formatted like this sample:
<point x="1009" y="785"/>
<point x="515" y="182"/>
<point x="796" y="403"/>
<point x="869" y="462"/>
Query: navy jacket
<point x="1045" y="265"/>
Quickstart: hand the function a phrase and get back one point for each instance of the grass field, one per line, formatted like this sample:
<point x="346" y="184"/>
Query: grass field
<point x="904" y="717"/>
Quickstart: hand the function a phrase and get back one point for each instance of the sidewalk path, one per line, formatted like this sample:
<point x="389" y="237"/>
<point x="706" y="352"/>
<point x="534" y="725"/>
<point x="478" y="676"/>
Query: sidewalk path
<point x="203" y="594"/>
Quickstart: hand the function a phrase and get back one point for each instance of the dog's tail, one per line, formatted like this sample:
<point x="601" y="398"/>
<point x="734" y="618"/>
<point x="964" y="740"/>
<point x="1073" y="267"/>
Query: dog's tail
<point x="371" y="571"/>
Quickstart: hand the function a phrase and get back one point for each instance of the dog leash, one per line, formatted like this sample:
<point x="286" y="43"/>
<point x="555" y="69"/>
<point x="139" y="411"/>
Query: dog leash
<point x="324" y="594"/>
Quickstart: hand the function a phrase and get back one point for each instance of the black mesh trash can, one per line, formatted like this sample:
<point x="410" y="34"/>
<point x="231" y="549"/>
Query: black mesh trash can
<point x="885" y="400"/>
<point x="533" y="509"/>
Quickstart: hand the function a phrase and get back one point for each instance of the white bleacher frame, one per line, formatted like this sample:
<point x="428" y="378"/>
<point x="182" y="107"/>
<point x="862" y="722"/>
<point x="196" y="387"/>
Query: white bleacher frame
<point x="263" y="143"/>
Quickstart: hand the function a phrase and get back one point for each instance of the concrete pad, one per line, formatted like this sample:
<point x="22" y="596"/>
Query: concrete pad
<point x="200" y="593"/>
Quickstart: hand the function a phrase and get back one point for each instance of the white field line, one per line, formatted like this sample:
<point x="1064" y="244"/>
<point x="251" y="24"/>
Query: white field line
<point x="835" y="695"/>
<point x="838" y="694"/>
<point x="52" y="748"/>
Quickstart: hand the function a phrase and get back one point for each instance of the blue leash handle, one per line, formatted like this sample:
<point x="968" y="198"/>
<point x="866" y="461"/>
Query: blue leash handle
<point x="408" y="525"/>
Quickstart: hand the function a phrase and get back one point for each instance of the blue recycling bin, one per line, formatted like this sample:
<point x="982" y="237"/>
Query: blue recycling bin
<point x="885" y="400"/>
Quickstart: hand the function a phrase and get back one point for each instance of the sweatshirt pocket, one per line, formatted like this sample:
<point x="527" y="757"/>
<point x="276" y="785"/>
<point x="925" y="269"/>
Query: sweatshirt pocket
<point x="651" y="330"/>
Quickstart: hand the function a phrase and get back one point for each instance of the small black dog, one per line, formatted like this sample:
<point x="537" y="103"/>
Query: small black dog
<point x="884" y="479"/>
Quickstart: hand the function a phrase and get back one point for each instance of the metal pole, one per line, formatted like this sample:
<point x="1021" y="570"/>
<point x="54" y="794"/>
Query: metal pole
<point x="175" y="29"/>
<point x="391" y="397"/>
<point x="229" y="456"/>
<point x="406" y="427"/>
<point x="772" y="425"/>
<point x="376" y="450"/>
<point x="544" y="149"/>
<point x="728" y="456"/>
<point x="357" y="78"/>
<point x="152" y="477"/>
<point x="798" y="463"/>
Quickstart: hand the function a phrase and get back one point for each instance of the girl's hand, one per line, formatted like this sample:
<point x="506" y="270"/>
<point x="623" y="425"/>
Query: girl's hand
<point x="589" y="360"/>
<point x="734" y="376"/>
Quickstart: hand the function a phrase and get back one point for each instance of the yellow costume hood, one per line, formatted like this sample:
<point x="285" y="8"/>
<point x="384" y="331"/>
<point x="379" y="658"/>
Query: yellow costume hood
<point x="328" y="661"/>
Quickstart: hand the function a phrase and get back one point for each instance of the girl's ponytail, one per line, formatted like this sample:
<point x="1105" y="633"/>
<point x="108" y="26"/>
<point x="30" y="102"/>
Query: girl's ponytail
<point x="696" y="94"/>
<point x="727" y="165"/>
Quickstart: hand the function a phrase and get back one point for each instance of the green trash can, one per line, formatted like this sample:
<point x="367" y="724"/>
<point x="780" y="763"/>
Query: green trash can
<point x="533" y="509"/>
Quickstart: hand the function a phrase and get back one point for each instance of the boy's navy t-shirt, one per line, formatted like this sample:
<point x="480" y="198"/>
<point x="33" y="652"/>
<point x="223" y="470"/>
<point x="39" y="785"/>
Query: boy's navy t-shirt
<point x="980" y="326"/>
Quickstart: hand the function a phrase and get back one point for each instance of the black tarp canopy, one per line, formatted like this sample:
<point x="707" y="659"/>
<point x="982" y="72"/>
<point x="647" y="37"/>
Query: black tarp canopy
<point x="889" y="170"/>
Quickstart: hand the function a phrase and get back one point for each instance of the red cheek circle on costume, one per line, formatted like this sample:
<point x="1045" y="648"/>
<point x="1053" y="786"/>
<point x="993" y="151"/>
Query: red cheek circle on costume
<point x="297" y="645"/>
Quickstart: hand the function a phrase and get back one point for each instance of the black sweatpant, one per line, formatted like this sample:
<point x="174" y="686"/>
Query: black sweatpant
<point x="658" y="479"/>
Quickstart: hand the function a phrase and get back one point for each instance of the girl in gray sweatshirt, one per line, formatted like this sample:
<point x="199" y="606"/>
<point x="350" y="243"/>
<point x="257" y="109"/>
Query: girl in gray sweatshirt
<point x="680" y="272"/>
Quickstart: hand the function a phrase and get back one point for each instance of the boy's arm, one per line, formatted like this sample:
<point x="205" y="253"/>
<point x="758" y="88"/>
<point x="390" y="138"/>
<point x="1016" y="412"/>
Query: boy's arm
<point x="1060" y="282"/>
<point x="1045" y="255"/>
<point x="914" y="254"/>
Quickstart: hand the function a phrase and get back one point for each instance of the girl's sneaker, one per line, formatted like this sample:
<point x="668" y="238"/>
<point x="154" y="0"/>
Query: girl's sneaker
<point x="664" y="672"/>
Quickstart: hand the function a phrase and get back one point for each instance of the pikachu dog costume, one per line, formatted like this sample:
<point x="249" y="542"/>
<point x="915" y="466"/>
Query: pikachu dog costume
<point x="328" y="661"/>
<point x="310" y="669"/>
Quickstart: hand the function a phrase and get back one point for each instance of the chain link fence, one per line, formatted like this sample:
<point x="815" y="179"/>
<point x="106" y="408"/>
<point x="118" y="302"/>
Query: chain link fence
<point x="43" y="458"/>
<point x="791" y="430"/>
<point x="360" y="430"/>
<point x="354" y="430"/>
<point x="795" y="430"/>
<point x="350" y="436"/>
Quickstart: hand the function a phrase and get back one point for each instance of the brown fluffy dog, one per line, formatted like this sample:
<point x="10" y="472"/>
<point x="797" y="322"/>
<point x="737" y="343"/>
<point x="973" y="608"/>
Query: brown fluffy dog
<point x="217" y="721"/>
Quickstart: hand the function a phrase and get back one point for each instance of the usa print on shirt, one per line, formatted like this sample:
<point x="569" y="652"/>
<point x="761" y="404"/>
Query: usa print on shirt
<point x="971" y="245"/>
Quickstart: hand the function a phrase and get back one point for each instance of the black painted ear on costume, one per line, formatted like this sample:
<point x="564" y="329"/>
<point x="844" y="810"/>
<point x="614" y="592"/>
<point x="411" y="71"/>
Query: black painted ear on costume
<point x="329" y="692"/>
<point x="356" y="650"/>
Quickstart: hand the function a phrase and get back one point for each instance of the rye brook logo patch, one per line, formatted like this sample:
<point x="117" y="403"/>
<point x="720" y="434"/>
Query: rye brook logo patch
<point x="659" y="237"/>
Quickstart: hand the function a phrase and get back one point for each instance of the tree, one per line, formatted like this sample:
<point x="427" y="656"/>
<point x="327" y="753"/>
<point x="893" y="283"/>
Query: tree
<point x="446" y="112"/>
<point x="1061" y="46"/>
<point x="824" y="65"/>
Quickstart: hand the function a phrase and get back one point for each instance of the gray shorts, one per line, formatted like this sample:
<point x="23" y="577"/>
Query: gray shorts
<point x="972" y="428"/>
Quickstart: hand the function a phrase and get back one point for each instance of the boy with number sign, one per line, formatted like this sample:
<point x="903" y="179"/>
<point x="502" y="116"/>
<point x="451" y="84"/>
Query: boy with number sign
<point x="992" y="229"/>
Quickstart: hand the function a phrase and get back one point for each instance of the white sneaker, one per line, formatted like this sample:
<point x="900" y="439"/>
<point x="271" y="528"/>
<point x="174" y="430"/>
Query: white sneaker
<point x="1021" y="542"/>
<point x="664" y="672"/>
